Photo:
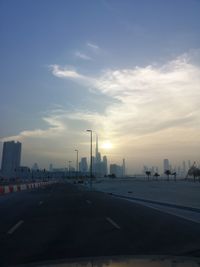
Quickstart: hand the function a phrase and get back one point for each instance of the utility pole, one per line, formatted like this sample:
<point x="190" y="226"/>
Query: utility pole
<point x="77" y="169"/>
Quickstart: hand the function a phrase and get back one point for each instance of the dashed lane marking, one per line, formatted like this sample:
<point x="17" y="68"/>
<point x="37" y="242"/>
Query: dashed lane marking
<point x="113" y="223"/>
<point x="15" y="227"/>
<point x="88" y="201"/>
<point x="40" y="203"/>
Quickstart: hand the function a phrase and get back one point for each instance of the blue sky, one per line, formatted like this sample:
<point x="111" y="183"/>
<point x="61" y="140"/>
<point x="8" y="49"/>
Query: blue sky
<point x="60" y="61"/>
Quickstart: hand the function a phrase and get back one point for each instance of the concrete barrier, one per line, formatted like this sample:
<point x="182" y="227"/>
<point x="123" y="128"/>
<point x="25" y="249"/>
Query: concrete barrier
<point x="5" y="189"/>
<point x="2" y="190"/>
<point x="11" y="188"/>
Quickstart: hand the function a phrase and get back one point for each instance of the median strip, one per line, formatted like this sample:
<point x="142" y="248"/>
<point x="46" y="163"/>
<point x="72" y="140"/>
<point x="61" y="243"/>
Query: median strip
<point x="113" y="223"/>
<point x="15" y="227"/>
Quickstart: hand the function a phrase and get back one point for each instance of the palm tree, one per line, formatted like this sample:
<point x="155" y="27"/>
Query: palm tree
<point x="174" y="174"/>
<point x="194" y="171"/>
<point x="148" y="173"/>
<point x="156" y="175"/>
<point x="168" y="173"/>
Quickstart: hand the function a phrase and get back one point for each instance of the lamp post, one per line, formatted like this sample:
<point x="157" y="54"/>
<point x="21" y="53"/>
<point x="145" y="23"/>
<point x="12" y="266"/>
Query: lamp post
<point x="69" y="166"/>
<point x="90" y="158"/>
<point x="77" y="169"/>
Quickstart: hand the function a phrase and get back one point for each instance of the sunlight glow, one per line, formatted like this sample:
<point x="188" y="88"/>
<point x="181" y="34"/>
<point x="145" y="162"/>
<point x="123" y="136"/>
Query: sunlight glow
<point x="107" y="145"/>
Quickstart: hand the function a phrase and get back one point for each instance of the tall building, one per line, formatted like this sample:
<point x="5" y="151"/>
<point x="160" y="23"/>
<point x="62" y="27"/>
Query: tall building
<point x="105" y="166"/>
<point x="50" y="167"/>
<point x="83" y="167"/>
<point x="11" y="157"/>
<point x="189" y="164"/>
<point x="165" y="165"/>
<point x="97" y="161"/>
<point x="123" y="168"/>
<point x="184" y="167"/>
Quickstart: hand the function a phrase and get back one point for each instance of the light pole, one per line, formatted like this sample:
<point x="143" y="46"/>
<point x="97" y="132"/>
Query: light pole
<point x="69" y="166"/>
<point x="77" y="169"/>
<point x="90" y="157"/>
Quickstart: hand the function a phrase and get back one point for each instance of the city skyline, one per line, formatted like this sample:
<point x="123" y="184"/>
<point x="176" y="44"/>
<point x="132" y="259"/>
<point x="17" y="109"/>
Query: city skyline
<point x="101" y="166"/>
<point x="132" y="76"/>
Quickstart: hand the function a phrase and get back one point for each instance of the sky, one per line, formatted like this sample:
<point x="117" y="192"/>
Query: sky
<point x="127" y="69"/>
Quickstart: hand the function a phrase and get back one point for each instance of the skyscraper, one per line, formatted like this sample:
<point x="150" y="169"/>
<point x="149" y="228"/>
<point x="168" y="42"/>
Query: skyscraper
<point x="123" y="168"/>
<point x="97" y="160"/>
<point x="11" y="157"/>
<point x="184" y="167"/>
<point x="105" y="166"/>
<point x="165" y="165"/>
<point x="83" y="167"/>
<point x="50" y="167"/>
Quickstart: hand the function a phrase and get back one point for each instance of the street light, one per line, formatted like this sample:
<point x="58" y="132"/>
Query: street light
<point x="76" y="160"/>
<point x="90" y="157"/>
<point x="69" y="166"/>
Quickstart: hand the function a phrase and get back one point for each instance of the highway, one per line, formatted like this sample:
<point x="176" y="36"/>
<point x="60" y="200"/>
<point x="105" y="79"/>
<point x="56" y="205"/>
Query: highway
<point x="64" y="221"/>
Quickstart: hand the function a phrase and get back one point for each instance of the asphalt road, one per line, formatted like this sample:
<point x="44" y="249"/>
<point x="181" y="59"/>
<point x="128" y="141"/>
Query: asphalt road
<point x="67" y="221"/>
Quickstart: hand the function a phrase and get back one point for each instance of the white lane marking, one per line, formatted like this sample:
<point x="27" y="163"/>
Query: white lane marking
<point x="113" y="223"/>
<point x="40" y="203"/>
<point x="88" y="201"/>
<point x="14" y="228"/>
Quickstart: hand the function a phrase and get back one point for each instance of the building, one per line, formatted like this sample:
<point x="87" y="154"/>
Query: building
<point x="50" y="167"/>
<point x="11" y="158"/>
<point x="97" y="161"/>
<point x="123" y="168"/>
<point x="165" y="165"/>
<point x="35" y="167"/>
<point x="105" y="166"/>
<point x="184" y="168"/>
<point x="116" y="170"/>
<point x="83" y="166"/>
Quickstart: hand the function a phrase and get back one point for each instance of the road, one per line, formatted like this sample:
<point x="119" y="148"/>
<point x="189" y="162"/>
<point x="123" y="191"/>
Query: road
<point x="67" y="221"/>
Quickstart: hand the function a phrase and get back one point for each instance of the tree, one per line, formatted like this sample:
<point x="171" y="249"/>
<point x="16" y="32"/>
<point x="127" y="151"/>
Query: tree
<point x="195" y="172"/>
<point x="174" y="174"/>
<point x="168" y="173"/>
<point x="156" y="175"/>
<point x="148" y="173"/>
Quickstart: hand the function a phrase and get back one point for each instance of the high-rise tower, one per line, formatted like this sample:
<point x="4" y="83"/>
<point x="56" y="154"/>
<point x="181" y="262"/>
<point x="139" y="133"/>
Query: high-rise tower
<point x="123" y="168"/>
<point x="165" y="165"/>
<point x="11" y="157"/>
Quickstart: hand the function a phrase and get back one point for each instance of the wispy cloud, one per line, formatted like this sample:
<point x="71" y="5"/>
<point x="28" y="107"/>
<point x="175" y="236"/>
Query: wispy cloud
<point x="82" y="56"/>
<point x="93" y="46"/>
<point x="54" y="127"/>
<point x="64" y="72"/>
<point x="70" y="73"/>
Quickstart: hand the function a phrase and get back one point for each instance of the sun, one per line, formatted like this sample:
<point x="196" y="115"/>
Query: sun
<point x="107" y="145"/>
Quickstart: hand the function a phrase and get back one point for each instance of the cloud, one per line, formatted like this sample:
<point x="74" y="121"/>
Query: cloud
<point x="69" y="73"/>
<point x="64" y="72"/>
<point x="155" y="110"/>
<point x="54" y="127"/>
<point x="94" y="47"/>
<point x="171" y="89"/>
<point x="82" y="56"/>
<point x="150" y="100"/>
